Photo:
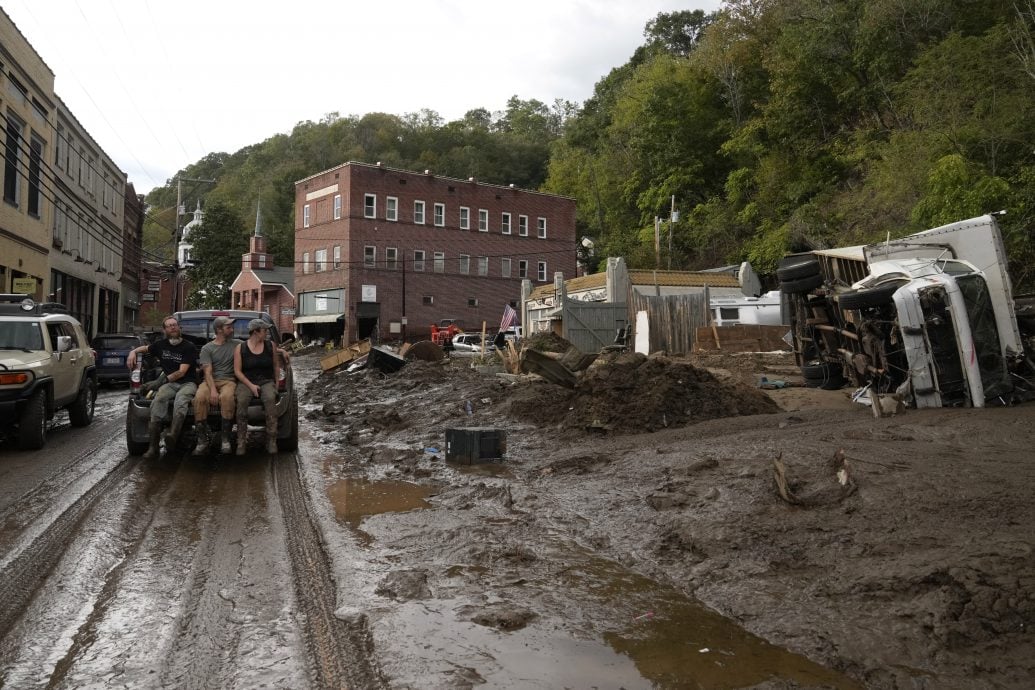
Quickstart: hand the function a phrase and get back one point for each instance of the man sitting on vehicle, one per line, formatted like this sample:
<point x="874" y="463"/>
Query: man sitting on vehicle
<point x="176" y="385"/>
<point x="218" y="386"/>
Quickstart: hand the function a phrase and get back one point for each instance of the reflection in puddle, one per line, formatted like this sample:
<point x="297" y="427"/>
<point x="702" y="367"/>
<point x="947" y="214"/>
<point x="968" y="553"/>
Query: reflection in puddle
<point x="356" y="498"/>
<point x="676" y="643"/>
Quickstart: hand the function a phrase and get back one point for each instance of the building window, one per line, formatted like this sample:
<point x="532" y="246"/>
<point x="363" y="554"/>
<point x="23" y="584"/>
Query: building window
<point x="262" y="261"/>
<point x="369" y="256"/>
<point x="60" y="149"/>
<point x="440" y="262"/>
<point x="12" y="160"/>
<point x="440" y="214"/>
<point x="505" y="224"/>
<point x="472" y="301"/>
<point x="391" y="258"/>
<point x="370" y="206"/>
<point x="305" y="216"/>
<point x="465" y="218"/>
<point x="337" y="207"/>
<point x="321" y="260"/>
<point x="305" y="262"/>
<point x="483" y="220"/>
<point x="418" y="259"/>
<point x="523" y="226"/>
<point x="542" y="228"/>
<point x="541" y="271"/>
<point x="483" y="265"/>
<point x="427" y="300"/>
<point x="465" y="264"/>
<point x="392" y="208"/>
<point x="522" y="269"/>
<point x="418" y="212"/>
<point x="505" y="268"/>
<point x="35" y="159"/>
<point x="337" y="256"/>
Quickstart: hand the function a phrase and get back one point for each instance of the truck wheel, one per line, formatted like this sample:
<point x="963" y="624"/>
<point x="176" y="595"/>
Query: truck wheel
<point x="290" y="442"/>
<point x="80" y="413"/>
<point x="32" y="426"/>
<point x="798" y="267"/>
<point x="825" y="375"/>
<point x="799" y="285"/>
<point x="134" y="447"/>
<point x="869" y="297"/>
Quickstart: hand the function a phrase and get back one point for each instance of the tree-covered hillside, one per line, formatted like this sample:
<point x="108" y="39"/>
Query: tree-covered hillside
<point x="776" y="124"/>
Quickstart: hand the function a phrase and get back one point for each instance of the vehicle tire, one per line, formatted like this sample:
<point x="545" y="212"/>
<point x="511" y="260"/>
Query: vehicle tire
<point x="869" y="297"/>
<point x="798" y="267"/>
<point x="32" y="426"/>
<point x="825" y="375"/>
<point x="80" y="412"/>
<point x="799" y="285"/>
<point x="290" y="442"/>
<point x="134" y="447"/>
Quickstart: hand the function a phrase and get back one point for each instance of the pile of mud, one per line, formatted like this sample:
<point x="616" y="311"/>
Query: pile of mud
<point x="633" y="394"/>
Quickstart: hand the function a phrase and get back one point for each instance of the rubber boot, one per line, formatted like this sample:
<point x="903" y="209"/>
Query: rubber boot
<point x="227" y="429"/>
<point x="154" y="435"/>
<point x="173" y="435"/>
<point x="271" y="432"/>
<point x="201" y="429"/>
<point x="242" y="435"/>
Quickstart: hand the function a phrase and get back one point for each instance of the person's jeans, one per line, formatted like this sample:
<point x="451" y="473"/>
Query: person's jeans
<point x="179" y="394"/>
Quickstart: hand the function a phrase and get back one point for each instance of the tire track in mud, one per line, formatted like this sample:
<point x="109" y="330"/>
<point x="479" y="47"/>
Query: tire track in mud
<point x="341" y="652"/>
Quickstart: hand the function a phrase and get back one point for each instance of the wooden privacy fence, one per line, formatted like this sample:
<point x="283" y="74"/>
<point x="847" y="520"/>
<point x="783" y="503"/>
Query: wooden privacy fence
<point x="591" y="326"/>
<point x="673" y="320"/>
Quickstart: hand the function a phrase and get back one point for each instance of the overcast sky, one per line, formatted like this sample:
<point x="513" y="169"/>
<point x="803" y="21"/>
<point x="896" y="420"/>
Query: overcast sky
<point x="160" y="84"/>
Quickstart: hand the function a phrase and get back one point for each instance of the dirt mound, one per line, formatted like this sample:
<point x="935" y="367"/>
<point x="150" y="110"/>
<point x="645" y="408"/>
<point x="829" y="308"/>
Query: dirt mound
<point x="633" y="394"/>
<point x="546" y="342"/>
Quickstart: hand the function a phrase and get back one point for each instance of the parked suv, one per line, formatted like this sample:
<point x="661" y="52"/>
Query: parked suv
<point x="196" y="326"/>
<point x="111" y="350"/>
<point x="46" y="365"/>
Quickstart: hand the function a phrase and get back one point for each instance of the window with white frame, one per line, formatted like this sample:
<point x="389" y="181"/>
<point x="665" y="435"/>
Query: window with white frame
<point x="369" y="256"/>
<point x="440" y="262"/>
<point x="370" y="205"/>
<point x="541" y="271"/>
<point x="262" y="261"/>
<point x="522" y="269"/>
<point x="321" y="260"/>
<point x="483" y="220"/>
<point x="61" y="149"/>
<point x="483" y="265"/>
<point x="418" y="259"/>
<point x="465" y="218"/>
<point x="465" y="264"/>
<point x="440" y="214"/>
<point x="305" y="262"/>
<point x="392" y="258"/>
<point x="337" y="207"/>
<point x="305" y="216"/>
<point x="542" y="228"/>
<point x="505" y="223"/>
<point x="337" y="256"/>
<point x="523" y="226"/>
<point x="472" y="301"/>
<point x="505" y="268"/>
<point x="418" y="212"/>
<point x="427" y="300"/>
<point x="391" y="208"/>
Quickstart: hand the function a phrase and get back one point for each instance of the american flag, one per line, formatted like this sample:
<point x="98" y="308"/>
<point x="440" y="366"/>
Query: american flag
<point x="509" y="317"/>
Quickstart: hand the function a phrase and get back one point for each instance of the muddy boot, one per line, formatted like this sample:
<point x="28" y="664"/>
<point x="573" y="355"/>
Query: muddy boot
<point x="173" y="435"/>
<point x="154" y="435"/>
<point x="203" y="439"/>
<point x="242" y="436"/>
<point x="271" y="432"/>
<point x="227" y="429"/>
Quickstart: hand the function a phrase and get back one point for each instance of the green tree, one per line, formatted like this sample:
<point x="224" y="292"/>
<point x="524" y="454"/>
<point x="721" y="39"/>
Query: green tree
<point x="218" y="242"/>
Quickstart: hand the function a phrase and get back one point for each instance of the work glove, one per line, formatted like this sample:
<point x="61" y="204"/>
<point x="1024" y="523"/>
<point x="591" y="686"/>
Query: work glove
<point x="152" y="386"/>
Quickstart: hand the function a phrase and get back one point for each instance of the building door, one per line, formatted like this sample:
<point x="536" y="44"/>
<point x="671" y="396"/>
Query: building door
<point x="367" y="316"/>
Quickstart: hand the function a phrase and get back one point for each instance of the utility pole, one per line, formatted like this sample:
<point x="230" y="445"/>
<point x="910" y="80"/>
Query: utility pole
<point x="673" y="218"/>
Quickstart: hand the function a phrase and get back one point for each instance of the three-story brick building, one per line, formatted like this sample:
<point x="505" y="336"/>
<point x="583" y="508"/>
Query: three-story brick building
<point x="384" y="253"/>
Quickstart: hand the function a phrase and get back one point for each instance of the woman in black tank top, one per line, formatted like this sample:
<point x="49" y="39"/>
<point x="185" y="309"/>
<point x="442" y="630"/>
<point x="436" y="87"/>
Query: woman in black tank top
<point x="257" y="369"/>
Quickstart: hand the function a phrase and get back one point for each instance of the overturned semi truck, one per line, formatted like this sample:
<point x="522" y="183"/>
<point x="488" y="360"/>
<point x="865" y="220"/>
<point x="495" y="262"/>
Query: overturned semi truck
<point x="930" y="318"/>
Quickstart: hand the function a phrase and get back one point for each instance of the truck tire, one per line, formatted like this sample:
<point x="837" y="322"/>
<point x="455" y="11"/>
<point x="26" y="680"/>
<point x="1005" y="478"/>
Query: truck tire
<point x="869" y="297"/>
<point x="825" y="375"/>
<point x="799" y="285"/>
<point x="134" y="447"/>
<point x="798" y="267"/>
<point x="80" y="412"/>
<point x="290" y="442"/>
<point x="32" y="425"/>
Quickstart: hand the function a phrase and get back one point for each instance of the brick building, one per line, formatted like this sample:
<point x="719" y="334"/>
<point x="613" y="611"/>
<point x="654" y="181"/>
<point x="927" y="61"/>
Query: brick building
<point x="261" y="286"/>
<point x="383" y="253"/>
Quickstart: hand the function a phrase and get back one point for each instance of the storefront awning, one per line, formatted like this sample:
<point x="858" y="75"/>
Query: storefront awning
<point x="318" y="318"/>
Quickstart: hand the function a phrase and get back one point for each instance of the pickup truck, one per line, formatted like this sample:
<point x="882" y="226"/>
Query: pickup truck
<point x="929" y="318"/>
<point x="197" y="327"/>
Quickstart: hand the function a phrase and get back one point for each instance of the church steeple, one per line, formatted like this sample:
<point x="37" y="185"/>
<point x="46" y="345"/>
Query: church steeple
<point x="257" y="258"/>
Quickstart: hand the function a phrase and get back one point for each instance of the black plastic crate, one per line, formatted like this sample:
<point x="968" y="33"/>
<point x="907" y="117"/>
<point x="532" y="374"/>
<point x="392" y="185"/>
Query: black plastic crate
<point x="471" y="446"/>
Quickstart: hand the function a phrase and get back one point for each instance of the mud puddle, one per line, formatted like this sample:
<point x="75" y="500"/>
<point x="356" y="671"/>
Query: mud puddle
<point x="356" y="498"/>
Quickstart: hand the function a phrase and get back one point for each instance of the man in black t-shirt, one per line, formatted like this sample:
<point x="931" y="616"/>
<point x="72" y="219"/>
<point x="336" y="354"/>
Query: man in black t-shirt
<point x="177" y="358"/>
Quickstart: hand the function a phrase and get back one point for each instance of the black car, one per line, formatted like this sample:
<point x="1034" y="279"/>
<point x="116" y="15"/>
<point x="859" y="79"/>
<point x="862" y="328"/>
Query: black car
<point x="112" y="350"/>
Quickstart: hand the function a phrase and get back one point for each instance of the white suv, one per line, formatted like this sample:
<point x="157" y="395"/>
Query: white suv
<point x="46" y="364"/>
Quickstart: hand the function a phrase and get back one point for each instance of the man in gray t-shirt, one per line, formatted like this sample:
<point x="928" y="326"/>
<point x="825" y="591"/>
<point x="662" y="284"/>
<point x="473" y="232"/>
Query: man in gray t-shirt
<point x="217" y="366"/>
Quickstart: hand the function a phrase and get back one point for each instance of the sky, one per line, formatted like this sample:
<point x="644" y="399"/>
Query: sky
<point x="161" y="84"/>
